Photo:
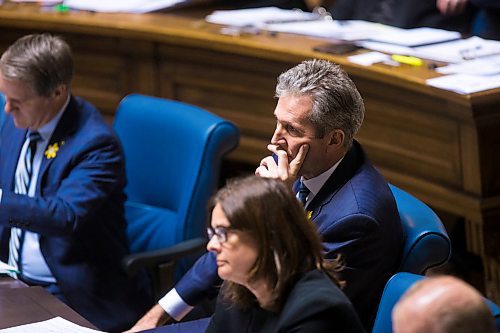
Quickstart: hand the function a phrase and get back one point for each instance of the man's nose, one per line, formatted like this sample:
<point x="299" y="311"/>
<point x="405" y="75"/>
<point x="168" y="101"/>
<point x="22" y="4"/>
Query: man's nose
<point x="277" y="135"/>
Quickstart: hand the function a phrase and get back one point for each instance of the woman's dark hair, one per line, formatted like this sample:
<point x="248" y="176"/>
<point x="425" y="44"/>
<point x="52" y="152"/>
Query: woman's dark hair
<point x="288" y="243"/>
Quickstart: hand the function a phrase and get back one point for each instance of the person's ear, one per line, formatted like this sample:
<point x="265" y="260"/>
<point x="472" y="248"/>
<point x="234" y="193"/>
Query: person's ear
<point x="336" y="138"/>
<point x="59" y="91"/>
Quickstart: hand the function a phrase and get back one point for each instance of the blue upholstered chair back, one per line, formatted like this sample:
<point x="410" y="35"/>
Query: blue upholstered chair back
<point x="426" y="242"/>
<point x="2" y="112"/>
<point x="173" y="156"/>
<point x="394" y="289"/>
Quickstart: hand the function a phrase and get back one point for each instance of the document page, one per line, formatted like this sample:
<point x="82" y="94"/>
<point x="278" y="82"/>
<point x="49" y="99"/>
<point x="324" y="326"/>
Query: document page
<point x="416" y="36"/>
<point x="258" y="16"/>
<point x="481" y="66"/>
<point x="464" y="83"/>
<point x="130" y="6"/>
<point x="5" y="268"/>
<point x="54" y="325"/>
<point x="459" y="50"/>
<point x="350" y="30"/>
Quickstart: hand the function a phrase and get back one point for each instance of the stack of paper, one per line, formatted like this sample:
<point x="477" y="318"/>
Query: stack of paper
<point x="351" y="30"/>
<point x="483" y="66"/>
<point x="415" y="37"/>
<point x="130" y="6"/>
<point x="460" y="50"/>
<point x="465" y="84"/>
<point x="311" y="24"/>
<point x="258" y="16"/>
<point x="475" y="64"/>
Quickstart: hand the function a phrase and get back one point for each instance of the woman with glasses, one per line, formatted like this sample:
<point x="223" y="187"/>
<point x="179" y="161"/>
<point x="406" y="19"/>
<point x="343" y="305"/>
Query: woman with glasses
<point x="269" y="255"/>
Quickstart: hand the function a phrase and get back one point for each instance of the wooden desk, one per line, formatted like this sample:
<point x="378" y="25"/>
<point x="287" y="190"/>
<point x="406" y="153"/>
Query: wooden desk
<point x="440" y="146"/>
<point x="24" y="305"/>
<point x="7" y="282"/>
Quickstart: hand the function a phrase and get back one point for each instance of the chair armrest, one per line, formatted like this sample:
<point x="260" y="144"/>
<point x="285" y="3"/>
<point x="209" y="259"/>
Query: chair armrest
<point x="136" y="261"/>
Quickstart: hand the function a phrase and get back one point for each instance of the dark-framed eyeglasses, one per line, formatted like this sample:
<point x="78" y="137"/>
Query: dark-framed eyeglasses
<point x="220" y="233"/>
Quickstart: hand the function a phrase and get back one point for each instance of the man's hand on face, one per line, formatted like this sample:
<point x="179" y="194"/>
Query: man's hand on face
<point x="283" y="169"/>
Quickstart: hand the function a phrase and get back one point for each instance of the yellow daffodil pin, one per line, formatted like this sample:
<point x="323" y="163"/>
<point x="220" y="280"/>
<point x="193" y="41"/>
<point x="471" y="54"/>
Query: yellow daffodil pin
<point x="52" y="150"/>
<point x="309" y="214"/>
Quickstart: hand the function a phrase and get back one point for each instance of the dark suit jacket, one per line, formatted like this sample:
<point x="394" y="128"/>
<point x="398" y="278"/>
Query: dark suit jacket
<point x="357" y="217"/>
<point x="487" y="21"/>
<point x="406" y="14"/>
<point x="244" y="4"/>
<point x="78" y="212"/>
<point x="314" y="304"/>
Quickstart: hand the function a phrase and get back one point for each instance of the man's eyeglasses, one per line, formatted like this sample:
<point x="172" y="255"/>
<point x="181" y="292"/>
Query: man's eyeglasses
<point x="220" y="233"/>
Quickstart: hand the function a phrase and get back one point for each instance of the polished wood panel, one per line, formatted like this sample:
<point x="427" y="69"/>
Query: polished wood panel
<point x="6" y="282"/>
<point x="19" y="306"/>
<point x="441" y="146"/>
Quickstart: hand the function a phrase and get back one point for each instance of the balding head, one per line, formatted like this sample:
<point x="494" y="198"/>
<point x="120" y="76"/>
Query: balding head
<point x="442" y="305"/>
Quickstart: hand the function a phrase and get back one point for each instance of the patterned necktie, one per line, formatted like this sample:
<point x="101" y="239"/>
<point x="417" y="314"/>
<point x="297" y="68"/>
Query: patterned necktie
<point x="303" y="193"/>
<point x="21" y="186"/>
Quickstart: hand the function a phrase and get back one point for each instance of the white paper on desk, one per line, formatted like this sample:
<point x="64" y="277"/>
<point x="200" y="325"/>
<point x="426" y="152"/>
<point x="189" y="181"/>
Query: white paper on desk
<point x="454" y="51"/>
<point x="415" y="37"/>
<point x="54" y="325"/>
<point x="350" y="30"/>
<point x="41" y="2"/>
<point x="257" y="16"/>
<point x="464" y="83"/>
<point x="369" y="58"/>
<point x="387" y="48"/>
<point x="489" y="65"/>
<point x="130" y="6"/>
<point x="5" y="268"/>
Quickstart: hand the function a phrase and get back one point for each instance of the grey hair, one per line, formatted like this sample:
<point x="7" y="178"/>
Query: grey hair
<point x="337" y="103"/>
<point x="42" y="60"/>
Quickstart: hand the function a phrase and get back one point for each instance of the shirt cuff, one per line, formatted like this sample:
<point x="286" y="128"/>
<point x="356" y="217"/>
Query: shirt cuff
<point x="0" y="195"/>
<point x="174" y="305"/>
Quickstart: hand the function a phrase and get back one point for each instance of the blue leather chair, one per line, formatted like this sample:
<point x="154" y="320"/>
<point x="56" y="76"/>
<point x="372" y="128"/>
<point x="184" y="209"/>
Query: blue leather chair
<point x="173" y="155"/>
<point x="394" y="289"/>
<point x="426" y="242"/>
<point x="2" y="113"/>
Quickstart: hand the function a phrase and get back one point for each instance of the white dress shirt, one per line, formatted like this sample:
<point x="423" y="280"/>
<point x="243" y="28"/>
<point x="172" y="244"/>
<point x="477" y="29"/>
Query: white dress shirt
<point x="34" y="265"/>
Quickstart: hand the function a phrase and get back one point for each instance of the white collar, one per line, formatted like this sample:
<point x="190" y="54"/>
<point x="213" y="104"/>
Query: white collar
<point x="48" y="129"/>
<point x="315" y="184"/>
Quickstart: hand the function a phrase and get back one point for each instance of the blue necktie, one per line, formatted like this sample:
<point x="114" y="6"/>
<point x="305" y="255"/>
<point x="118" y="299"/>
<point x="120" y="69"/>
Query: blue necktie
<point x="22" y="184"/>
<point x="303" y="193"/>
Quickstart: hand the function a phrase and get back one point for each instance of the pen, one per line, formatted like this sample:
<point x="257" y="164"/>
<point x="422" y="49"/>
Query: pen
<point x="61" y="8"/>
<point x="408" y="60"/>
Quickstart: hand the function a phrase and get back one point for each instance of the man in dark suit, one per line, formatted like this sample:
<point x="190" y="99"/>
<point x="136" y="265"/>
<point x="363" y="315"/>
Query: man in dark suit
<point x="487" y="21"/>
<point x="318" y="113"/>
<point x="455" y="15"/>
<point x="244" y="4"/>
<point x="61" y="188"/>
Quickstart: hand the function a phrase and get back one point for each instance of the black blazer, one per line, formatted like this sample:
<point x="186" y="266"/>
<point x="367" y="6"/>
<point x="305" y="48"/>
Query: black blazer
<point x="315" y="304"/>
<point x="242" y="4"/>
<point x="406" y="14"/>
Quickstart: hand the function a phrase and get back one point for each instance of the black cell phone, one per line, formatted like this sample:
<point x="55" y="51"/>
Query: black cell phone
<point x="336" y="48"/>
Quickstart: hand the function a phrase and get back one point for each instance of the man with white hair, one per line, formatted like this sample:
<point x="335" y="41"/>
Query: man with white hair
<point x="442" y="304"/>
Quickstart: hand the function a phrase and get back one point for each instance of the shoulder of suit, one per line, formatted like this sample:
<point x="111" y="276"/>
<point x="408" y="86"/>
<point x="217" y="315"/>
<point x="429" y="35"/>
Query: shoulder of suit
<point x="316" y="289"/>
